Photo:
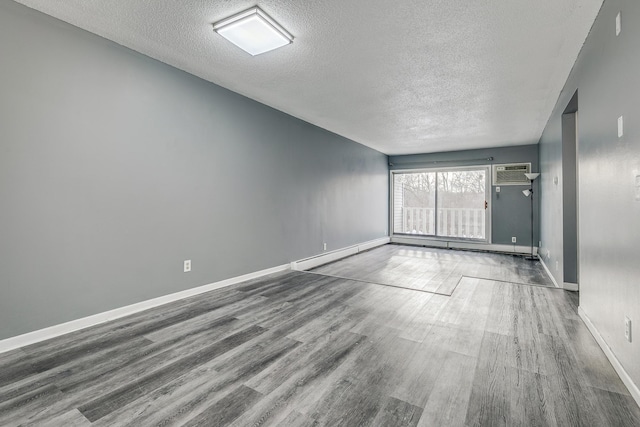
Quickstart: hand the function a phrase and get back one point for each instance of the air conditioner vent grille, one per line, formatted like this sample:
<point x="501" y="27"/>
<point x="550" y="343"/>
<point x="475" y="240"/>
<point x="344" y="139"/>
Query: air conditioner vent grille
<point x="511" y="174"/>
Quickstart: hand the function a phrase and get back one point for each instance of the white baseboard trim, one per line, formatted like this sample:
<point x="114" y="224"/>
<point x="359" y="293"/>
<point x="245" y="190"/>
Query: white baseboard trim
<point x="622" y="373"/>
<point x="315" y="261"/>
<point x="553" y="279"/>
<point x="571" y="286"/>
<point x="96" y="319"/>
<point x="565" y="285"/>
<point x="454" y="244"/>
<point x="373" y="244"/>
<point x="29" y="338"/>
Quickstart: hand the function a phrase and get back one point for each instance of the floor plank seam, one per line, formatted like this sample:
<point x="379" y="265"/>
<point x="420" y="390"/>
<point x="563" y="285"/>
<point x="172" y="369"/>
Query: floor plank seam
<point x="432" y="292"/>
<point x="512" y="283"/>
<point x="378" y="284"/>
<point x="455" y="287"/>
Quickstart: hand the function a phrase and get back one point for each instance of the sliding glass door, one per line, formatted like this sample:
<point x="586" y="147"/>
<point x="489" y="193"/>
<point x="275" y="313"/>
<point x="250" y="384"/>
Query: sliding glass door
<point x="450" y="203"/>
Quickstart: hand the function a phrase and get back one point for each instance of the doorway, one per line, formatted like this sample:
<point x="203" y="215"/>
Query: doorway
<point x="570" y="191"/>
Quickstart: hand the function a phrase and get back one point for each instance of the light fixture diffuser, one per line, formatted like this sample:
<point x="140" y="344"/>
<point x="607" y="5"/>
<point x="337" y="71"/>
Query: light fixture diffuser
<point x="253" y="31"/>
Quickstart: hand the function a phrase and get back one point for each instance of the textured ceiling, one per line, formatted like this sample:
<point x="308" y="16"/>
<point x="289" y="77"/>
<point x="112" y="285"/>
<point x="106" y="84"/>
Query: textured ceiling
<point x="410" y="76"/>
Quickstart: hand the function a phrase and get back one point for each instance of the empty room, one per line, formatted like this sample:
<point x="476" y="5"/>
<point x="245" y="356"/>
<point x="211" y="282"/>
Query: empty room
<point x="320" y="213"/>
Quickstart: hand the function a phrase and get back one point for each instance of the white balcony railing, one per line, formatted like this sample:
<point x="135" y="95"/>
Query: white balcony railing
<point x="453" y="222"/>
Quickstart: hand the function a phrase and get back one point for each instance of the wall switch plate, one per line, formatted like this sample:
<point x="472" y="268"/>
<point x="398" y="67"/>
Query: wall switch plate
<point x="618" y="24"/>
<point x="557" y="265"/>
<point x="513" y="239"/>
<point x="324" y="246"/>
<point x="620" y="126"/>
<point x="187" y="265"/>
<point x="627" y="328"/>
<point x="539" y="243"/>
<point x="497" y="189"/>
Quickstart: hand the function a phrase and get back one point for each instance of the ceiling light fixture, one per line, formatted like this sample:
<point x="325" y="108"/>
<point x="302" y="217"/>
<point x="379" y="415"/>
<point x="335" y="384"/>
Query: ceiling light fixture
<point x="253" y="31"/>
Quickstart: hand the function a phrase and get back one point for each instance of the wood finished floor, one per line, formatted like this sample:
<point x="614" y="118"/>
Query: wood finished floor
<point x="433" y="269"/>
<point x="302" y="349"/>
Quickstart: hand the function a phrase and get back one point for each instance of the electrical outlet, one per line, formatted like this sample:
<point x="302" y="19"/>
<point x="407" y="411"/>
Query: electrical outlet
<point x="187" y="265"/>
<point x="324" y="246"/>
<point x="513" y="239"/>
<point x="627" y="328"/>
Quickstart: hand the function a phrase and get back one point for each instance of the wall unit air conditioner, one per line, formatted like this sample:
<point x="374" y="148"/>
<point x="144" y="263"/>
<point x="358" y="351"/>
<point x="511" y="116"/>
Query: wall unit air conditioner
<point x="511" y="174"/>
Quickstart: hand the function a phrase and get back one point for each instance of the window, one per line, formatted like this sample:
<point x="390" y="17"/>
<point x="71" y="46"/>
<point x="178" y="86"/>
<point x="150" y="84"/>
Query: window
<point x="447" y="203"/>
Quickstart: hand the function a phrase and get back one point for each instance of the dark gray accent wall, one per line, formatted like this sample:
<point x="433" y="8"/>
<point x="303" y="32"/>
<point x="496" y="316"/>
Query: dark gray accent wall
<point x="114" y="168"/>
<point x="607" y="76"/>
<point x="569" y="198"/>
<point x="510" y="209"/>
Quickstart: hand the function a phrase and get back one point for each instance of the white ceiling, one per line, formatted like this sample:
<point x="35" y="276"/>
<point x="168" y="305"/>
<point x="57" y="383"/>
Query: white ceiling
<point x="409" y="76"/>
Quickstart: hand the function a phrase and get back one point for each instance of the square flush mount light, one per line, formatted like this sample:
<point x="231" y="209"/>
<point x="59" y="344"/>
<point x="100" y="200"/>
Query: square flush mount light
<point x="253" y="31"/>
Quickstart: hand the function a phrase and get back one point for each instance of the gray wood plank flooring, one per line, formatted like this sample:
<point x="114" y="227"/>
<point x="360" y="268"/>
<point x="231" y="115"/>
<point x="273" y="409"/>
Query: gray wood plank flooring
<point x="306" y="349"/>
<point x="433" y="269"/>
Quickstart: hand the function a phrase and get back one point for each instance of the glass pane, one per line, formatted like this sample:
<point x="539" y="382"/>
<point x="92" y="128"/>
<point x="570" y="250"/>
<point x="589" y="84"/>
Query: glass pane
<point x="461" y="198"/>
<point x="414" y="199"/>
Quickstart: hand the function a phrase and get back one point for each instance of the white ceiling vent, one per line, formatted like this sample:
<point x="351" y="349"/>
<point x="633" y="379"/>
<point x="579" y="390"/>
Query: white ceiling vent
<point x="511" y="174"/>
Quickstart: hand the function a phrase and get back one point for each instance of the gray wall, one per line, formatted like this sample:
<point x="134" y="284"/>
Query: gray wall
<point x="551" y="209"/>
<point x="114" y="168"/>
<point x="511" y="211"/>
<point x="607" y="76"/>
